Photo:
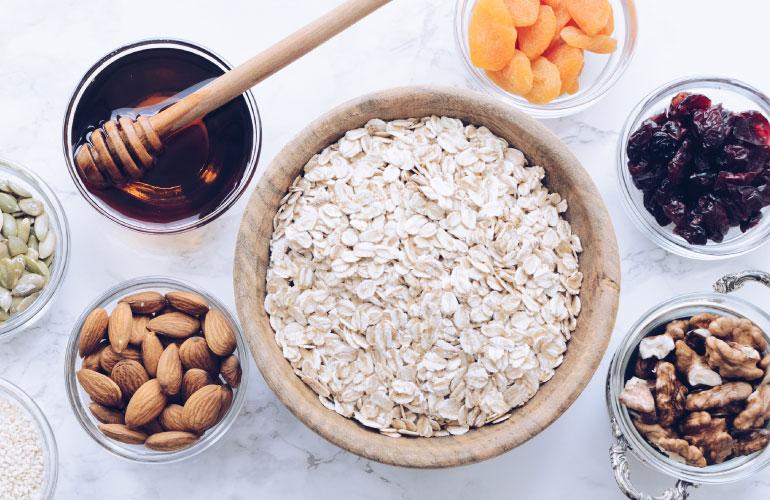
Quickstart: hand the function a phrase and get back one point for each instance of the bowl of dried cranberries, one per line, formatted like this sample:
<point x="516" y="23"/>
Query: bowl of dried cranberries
<point x="694" y="167"/>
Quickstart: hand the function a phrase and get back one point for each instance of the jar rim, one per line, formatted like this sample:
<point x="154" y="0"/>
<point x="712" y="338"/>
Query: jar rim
<point x="111" y="58"/>
<point x="675" y="308"/>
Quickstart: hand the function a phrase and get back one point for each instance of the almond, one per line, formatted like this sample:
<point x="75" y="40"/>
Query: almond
<point x="226" y="394"/>
<point x="100" y="387"/>
<point x="170" y="370"/>
<point x="109" y="357"/>
<point x="94" y="360"/>
<point x="129" y="375"/>
<point x="145" y="405"/>
<point x="195" y="353"/>
<point x="106" y="415"/>
<point x="231" y="370"/>
<point x="119" y="327"/>
<point x="171" y="419"/>
<point x="139" y="330"/>
<point x="145" y="302"/>
<point x="201" y="411"/>
<point x="93" y="330"/>
<point x="188" y="302"/>
<point x="194" y="379"/>
<point x="170" y="441"/>
<point x="122" y="433"/>
<point x="174" y="324"/>
<point x="151" y="351"/>
<point x="219" y="334"/>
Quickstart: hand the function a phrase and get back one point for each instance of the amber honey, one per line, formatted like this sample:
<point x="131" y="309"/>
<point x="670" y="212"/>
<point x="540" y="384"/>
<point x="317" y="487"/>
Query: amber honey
<point x="202" y="166"/>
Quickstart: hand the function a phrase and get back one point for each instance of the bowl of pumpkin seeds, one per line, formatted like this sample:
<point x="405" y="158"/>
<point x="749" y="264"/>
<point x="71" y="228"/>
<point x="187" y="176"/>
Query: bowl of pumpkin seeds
<point x="34" y="247"/>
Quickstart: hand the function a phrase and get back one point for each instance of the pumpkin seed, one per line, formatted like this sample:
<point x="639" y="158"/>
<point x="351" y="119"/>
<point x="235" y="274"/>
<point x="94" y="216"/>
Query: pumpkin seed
<point x="4" y="316"/>
<point x="4" y="249"/>
<point x="22" y="303"/>
<point x="5" y="299"/>
<point x="47" y="245"/>
<point x="32" y="243"/>
<point x="41" y="226"/>
<point x="31" y="206"/>
<point x="16" y="246"/>
<point x="10" y="271"/>
<point x="4" y="185"/>
<point x="28" y="284"/>
<point x="8" y="203"/>
<point x="18" y="189"/>
<point x="9" y="225"/>
<point x="32" y="254"/>
<point x="23" y="229"/>
<point x="37" y="267"/>
<point x="48" y="261"/>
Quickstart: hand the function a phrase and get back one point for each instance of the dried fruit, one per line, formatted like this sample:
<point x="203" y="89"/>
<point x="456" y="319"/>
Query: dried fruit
<point x="145" y="405"/>
<point x="569" y="61"/>
<point x="170" y="441"/>
<point x="523" y="12"/>
<point x="491" y="35"/>
<point x="93" y="330"/>
<point x="219" y="333"/>
<point x="201" y="411"/>
<point x="600" y="44"/>
<point x="516" y="77"/>
<point x="546" y="82"/>
<point x="533" y="40"/>
<point x="145" y="302"/>
<point x="119" y="327"/>
<point x="101" y="388"/>
<point x="591" y="15"/>
<point x="170" y="370"/>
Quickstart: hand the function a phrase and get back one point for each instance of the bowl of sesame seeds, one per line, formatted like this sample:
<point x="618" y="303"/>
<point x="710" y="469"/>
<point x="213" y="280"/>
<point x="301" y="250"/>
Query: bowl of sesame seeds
<point x="29" y="460"/>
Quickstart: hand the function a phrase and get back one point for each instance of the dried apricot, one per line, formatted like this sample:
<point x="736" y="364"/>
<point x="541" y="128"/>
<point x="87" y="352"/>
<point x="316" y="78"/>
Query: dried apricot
<point x="571" y="88"/>
<point x="516" y="77"/>
<point x="546" y="82"/>
<point x="609" y="28"/>
<point x="554" y="3"/>
<point x="590" y="15"/>
<point x="601" y="44"/>
<point x="491" y="43"/>
<point x="533" y="40"/>
<point x="562" y="17"/>
<point x="569" y="61"/>
<point x="523" y="12"/>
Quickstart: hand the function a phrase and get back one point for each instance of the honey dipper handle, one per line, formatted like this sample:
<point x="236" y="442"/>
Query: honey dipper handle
<point x="239" y="80"/>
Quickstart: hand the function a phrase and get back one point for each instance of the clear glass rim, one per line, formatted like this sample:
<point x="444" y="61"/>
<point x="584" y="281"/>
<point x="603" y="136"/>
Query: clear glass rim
<point x="56" y="214"/>
<point x="746" y="242"/>
<point x="79" y="404"/>
<point x="560" y="107"/>
<point x="112" y="57"/>
<point x="50" y="450"/>
<point x="732" y="470"/>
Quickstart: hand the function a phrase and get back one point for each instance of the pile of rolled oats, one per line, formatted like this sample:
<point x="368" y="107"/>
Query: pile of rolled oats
<point x="421" y="278"/>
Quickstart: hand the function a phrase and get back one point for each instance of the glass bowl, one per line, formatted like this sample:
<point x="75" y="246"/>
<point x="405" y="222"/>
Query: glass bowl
<point x="600" y="72"/>
<point x="58" y="221"/>
<point x="15" y="395"/>
<point x="79" y="400"/>
<point x="628" y="438"/>
<point x="146" y="50"/>
<point x="736" y="96"/>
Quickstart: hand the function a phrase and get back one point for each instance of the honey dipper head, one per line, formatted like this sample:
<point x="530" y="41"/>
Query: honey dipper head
<point x="118" y="152"/>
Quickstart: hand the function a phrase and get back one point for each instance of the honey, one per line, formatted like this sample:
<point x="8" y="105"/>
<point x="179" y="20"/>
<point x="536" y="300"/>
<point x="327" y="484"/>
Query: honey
<point x="202" y="166"/>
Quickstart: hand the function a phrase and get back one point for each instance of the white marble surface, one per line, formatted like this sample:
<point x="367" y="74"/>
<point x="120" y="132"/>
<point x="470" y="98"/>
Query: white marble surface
<point x="45" y="47"/>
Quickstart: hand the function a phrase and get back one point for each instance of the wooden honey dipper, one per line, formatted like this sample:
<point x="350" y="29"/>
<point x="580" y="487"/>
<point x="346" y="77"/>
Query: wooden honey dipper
<point x="123" y="149"/>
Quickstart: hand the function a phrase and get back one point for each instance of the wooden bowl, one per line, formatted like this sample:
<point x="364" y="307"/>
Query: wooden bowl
<point x="587" y="214"/>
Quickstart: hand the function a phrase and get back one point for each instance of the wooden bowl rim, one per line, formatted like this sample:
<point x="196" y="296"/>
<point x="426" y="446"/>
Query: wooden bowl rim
<point x="478" y="444"/>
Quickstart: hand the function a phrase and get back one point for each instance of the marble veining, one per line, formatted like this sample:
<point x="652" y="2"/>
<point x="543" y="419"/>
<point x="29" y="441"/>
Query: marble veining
<point x="46" y="46"/>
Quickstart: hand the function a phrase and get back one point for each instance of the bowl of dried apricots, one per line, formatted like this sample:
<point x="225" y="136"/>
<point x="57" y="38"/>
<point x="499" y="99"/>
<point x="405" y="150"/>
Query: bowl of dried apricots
<point x="549" y="58"/>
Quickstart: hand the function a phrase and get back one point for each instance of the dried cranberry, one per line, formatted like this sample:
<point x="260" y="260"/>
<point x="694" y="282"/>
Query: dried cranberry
<point x="683" y="104"/>
<point x="639" y="141"/>
<point x="739" y="178"/>
<point x="675" y="210"/>
<point x="711" y="127"/>
<point x="733" y="157"/>
<point x="751" y="127"/>
<point x="693" y="233"/>
<point x="677" y="167"/>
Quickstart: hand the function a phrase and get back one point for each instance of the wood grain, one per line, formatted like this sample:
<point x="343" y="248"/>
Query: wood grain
<point x="599" y="263"/>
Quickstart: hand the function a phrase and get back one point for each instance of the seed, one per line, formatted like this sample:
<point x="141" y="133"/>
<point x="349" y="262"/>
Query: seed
<point x="47" y="245"/>
<point x="18" y="189"/>
<point x="8" y="203"/>
<point x="31" y="206"/>
<point x="5" y="299"/>
<point x="41" y="226"/>
<point x="9" y="225"/>
<point x="16" y="246"/>
<point x="23" y="229"/>
<point x="28" y="284"/>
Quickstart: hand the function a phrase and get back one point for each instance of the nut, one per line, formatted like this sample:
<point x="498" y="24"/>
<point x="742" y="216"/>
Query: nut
<point x="219" y="334"/>
<point x="231" y="373"/>
<point x="710" y="435"/>
<point x="719" y="397"/>
<point x="195" y="353"/>
<point x="702" y="320"/>
<point x="171" y="418"/>
<point x="681" y="451"/>
<point x="145" y="405"/>
<point x="176" y="325"/>
<point x="170" y="440"/>
<point x="92" y="332"/>
<point x="119" y="327"/>
<point x="752" y="442"/>
<point x="101" y="388"/>
<point x="194" y="379"/>
<point x="636" y="396"/>
<point x="106" y="415"/>
<point x="145" y="302"/>
<point x="139" y="330"/>
<point x="739" y="330"/>
<point x="677" y="329"/>
<point x="129" y="375"/>
<point x="690" y="364"/>
<point x="123" y="433"/>
<point x="658" y="346"/>
<point x="670" y="394"/>
<point x="151" y="352"/>
<point x="170" y="370"/>
<point x="188" y="302"/>
<point x="201" y="411"/>
<point x="757" y="410"/>
<point x="653" y="432"/>
<point x="733" y="360"/>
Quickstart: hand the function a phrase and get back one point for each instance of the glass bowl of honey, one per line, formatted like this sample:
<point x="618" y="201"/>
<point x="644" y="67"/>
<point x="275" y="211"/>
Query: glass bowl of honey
<point x="203" y="169"/>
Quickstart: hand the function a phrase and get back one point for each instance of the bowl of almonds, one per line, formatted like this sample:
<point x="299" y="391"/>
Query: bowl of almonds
<point x="153" y="370"/>
<point x="689" y="389"/>
<point x="426" y="277"/>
